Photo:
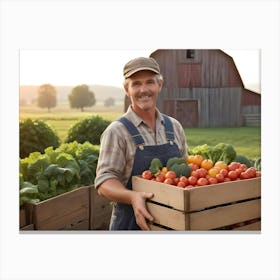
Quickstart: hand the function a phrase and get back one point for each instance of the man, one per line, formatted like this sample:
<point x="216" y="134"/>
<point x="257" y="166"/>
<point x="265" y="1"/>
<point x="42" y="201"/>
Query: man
<point x="129" y="144"/>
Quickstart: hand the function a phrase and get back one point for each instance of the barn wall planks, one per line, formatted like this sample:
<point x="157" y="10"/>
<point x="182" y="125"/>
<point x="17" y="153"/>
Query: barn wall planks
<point x="216" y="106"/>
<point x="211" y="78"/>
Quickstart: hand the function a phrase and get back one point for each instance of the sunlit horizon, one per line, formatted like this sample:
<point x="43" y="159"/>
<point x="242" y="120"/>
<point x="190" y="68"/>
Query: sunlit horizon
<point x="104" y="67"/>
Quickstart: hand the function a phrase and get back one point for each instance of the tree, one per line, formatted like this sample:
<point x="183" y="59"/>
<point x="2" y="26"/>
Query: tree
<point x="109" y="102"/>
<point x="46" y="96"/>
<point x="81" y="97"/>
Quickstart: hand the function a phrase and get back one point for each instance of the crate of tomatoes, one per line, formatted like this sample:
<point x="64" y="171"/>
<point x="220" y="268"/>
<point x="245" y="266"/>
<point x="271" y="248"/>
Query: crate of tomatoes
<point x="196" y="193"/>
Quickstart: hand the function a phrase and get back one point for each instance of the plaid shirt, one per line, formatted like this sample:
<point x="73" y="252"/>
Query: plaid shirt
<point x="117" y="149"/>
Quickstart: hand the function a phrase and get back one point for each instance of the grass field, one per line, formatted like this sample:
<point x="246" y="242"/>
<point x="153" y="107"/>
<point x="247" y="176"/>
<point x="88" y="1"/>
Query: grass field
<point x="62" y="118"/>
<point x="246" y="140"/>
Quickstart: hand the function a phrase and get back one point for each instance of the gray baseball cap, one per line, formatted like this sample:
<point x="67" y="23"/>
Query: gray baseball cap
<point x="140" y="64"/>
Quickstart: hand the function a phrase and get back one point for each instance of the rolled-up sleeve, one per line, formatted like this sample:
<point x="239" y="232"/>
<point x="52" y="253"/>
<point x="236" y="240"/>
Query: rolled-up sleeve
<point x="113" y="157"/>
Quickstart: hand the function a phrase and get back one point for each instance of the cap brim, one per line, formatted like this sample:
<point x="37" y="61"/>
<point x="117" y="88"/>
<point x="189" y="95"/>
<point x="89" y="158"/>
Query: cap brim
<point x="130" y="73"/>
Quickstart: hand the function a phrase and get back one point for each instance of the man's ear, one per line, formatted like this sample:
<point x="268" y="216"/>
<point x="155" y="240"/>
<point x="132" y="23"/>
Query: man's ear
<point x="126" y="90"/>
<point x="160" y="83"/>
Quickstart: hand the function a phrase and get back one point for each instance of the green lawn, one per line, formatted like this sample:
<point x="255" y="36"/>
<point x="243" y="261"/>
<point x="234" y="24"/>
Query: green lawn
<point x="62" y="117"/>
<point x="246" y="140"/>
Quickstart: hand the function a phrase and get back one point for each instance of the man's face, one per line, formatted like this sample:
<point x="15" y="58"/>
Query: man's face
<point x="143" y="89"/>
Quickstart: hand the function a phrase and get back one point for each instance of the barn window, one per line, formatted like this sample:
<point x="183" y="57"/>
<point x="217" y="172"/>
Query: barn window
<point x="190" y="53"/>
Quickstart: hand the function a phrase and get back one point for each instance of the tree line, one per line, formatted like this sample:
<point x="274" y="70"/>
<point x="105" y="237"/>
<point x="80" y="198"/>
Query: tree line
<point x="80" y="97"/>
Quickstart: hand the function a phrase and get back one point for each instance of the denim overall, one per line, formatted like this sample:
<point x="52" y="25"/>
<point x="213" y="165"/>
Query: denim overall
<point x="123" y="215"/>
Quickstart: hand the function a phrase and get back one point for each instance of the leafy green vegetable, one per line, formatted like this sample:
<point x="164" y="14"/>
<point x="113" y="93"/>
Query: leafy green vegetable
<point x="173" y="161"/>
<point x="257" y="164"/>
<point x="155" y="166"/>
<point x="58" y="170"/>
<point x="220" y="152"/>
<point x="244" y="160"/>
<point x="28" y="193"/>
<point x="181" y="169"/>
<point x="223" y="152"/>
<point x="179" y="166"/>
<point x="204" y="150"/>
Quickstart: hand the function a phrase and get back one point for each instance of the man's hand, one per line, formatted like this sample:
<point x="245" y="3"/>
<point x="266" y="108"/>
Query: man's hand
<point x="140" y="211"/>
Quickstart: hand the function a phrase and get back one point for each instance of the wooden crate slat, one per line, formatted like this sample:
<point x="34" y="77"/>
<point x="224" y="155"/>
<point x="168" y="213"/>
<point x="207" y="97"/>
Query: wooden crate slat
<point x="22" y="217"/>
<point x="168" y="217"/>
<point x="26" y="215"/>
<point x="163" y="193"/>
<point x="225" y="215"/>
<point x="199" y="197"/>
<point x="253" y="226"/>
<point x="154" y="227"/>
<point x="28" y="227"/>
<point x="63" y="210"/>
<point x="100" y="210"/>
<point x="223" y="193"/>
<point x="81" y="225"/>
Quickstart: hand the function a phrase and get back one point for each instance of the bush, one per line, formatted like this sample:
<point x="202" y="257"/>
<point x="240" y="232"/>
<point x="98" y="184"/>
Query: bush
<point x="36" y="136"/>
<point x="88" y="129"/>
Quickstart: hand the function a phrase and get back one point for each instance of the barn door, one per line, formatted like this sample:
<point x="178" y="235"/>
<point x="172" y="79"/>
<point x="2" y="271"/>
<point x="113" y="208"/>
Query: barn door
<point x="186" y="112"/>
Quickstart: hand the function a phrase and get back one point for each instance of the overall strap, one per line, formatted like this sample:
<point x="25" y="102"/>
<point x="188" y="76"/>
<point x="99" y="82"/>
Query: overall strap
<point x="169" y="132"/>
<point x="138" y="139"/>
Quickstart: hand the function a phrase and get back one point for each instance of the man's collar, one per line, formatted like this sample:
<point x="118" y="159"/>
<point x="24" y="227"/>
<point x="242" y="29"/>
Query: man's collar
<point x="136" y="120"/>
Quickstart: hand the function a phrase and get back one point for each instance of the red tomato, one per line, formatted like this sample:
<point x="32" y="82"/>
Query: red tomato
<point x="251" y="172"/>
<point x="147" y="174"/>
<point x="170" y="174"/>
<point x="195" y="174"/>
<point x="238" y="171"/>
<point x="160" y="177"/>
<point x="202" y="182"/>
<point x="213" y="180"/>
<point x="232" y="175"/>
<point x="258" y="174"/>
<point x="202" y="172"/>
<point x="227" y="179"/>
<point x="244" y="175"/>
<point x="220" y="177"/>
<point x="192" y="180"/>
<point x="193" y="166"/>
<point x="224" y="172"/>
<point x="184" y="179"/>
<point x="233" y="165"/>
<point x="243" y="166"/>
<point x="181" y="184"/>
<point x="169" y="181"/>
<point x="176" y="180"/>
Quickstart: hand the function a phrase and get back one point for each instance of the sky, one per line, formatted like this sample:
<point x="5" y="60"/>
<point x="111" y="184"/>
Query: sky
<point x="74" y="67"/>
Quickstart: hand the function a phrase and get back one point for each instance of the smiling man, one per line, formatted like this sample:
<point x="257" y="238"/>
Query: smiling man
<point x="129" y="144"/>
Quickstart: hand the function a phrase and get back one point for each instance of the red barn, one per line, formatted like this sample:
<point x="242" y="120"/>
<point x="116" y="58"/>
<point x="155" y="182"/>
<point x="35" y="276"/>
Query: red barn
<point x="203" y="88"/>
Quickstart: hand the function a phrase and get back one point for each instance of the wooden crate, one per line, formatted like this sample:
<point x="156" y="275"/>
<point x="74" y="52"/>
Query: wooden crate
<point x="68" y="211"/>
<point x="203" y="208"/>
<point x="100" y="210"/>
<point x="80" y="209"/>
<point x="25" y="217"/>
